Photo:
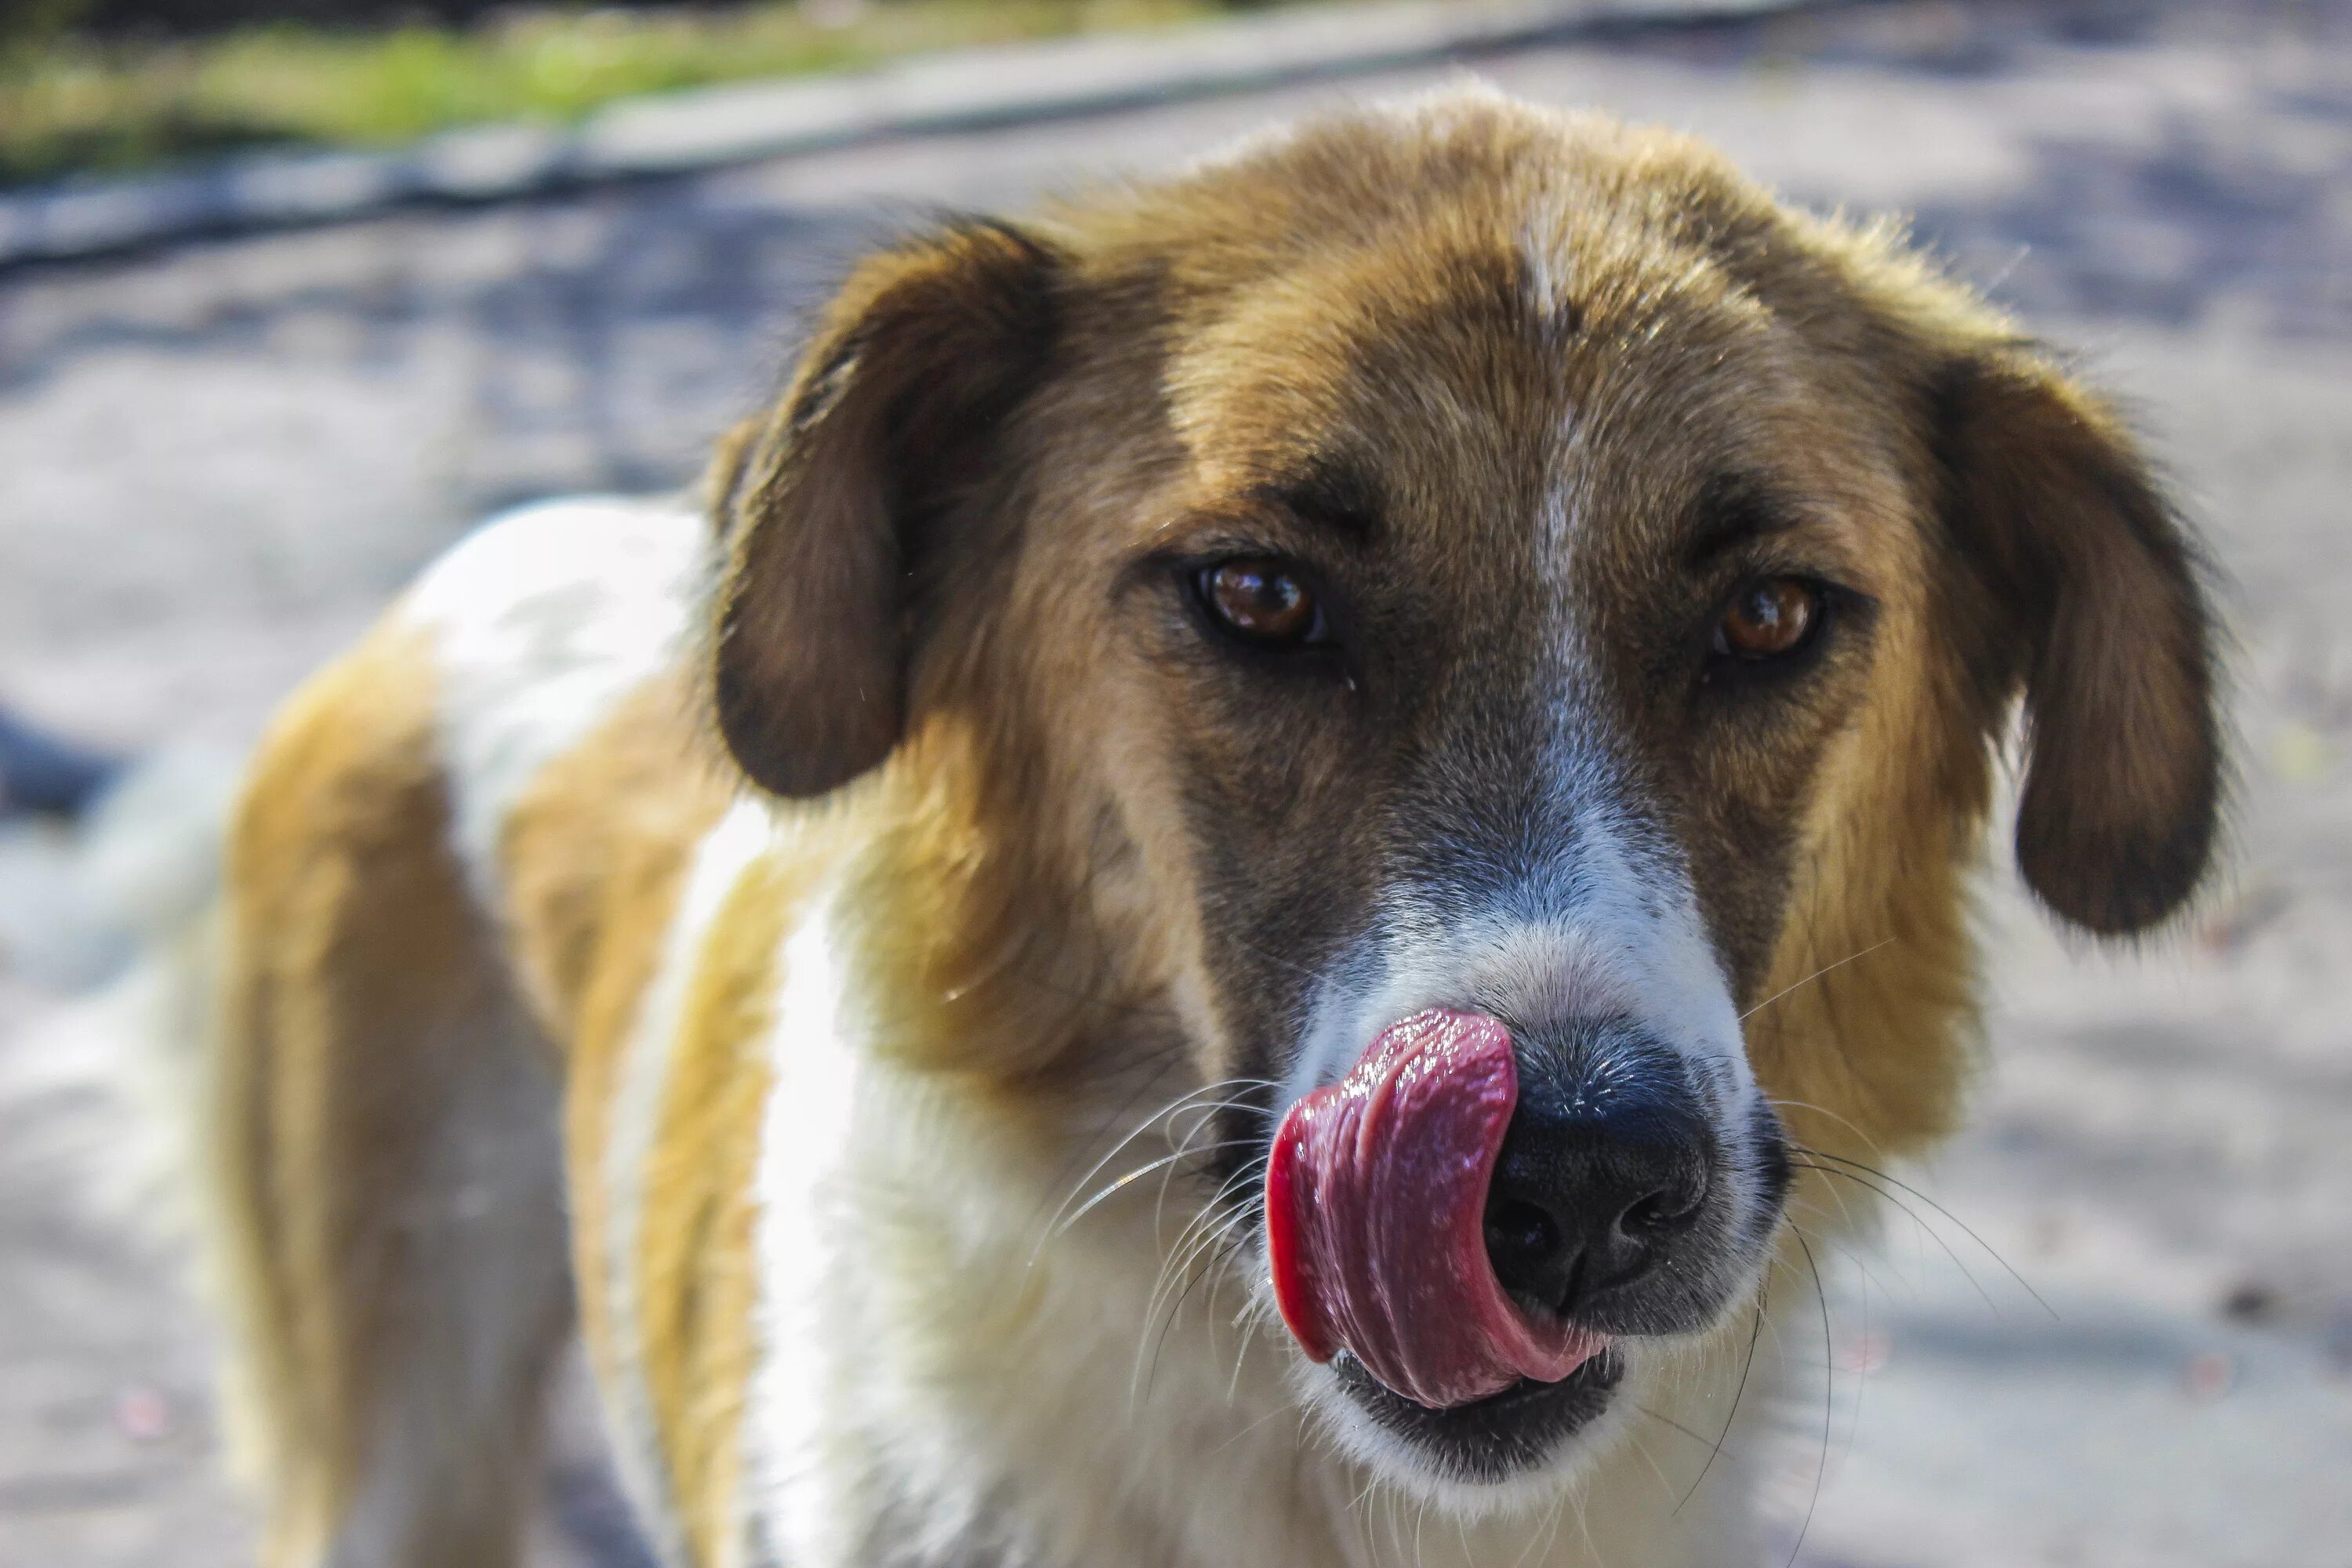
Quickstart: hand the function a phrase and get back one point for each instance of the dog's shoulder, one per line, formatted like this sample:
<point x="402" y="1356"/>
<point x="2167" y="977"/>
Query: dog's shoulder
<point x="541" y="626"/>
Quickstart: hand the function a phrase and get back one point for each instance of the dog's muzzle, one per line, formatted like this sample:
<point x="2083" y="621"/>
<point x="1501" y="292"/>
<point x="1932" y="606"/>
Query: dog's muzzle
<point x="1376" y="1193"/>
<point x="1458" y="1223"/>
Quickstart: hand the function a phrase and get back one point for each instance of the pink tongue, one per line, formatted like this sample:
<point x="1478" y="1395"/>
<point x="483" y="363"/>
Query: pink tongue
<point x="1375" y="1218"/>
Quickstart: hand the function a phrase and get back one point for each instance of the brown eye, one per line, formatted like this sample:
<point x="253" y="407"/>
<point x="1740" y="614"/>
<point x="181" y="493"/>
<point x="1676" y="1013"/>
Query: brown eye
<point x="1768" y="617"/>
<point x="1263" y="600"/>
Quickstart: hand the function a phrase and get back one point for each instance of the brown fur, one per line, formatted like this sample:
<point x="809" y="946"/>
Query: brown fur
<point x="1303" y="309"/>
<point x="1529" y="397"/>
<point x="595" y="855"/>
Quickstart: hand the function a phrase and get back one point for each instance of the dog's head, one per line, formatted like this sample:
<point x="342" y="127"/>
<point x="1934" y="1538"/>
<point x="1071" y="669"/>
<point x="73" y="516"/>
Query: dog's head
<point x="1501" y="630"/>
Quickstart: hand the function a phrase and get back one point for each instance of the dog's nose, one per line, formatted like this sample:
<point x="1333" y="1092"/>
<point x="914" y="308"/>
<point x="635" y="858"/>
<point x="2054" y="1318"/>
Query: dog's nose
<point x="1600" y="1172"/>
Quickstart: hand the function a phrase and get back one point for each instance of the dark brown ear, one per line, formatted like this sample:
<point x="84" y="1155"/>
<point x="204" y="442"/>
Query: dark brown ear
<point x="828" y="503"/>
<point x="2096" y="604"/>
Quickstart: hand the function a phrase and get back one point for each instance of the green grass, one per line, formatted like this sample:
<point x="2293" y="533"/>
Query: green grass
<point x="72" y="104"/>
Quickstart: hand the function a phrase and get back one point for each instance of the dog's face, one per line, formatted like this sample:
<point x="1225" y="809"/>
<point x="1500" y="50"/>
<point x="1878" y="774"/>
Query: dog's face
<point x="1471" y="605"/>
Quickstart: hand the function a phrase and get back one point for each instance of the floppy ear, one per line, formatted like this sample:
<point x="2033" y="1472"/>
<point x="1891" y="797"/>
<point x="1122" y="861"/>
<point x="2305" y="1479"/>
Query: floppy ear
<point x="828" y="504"/>
<point x="2098" y="607"/>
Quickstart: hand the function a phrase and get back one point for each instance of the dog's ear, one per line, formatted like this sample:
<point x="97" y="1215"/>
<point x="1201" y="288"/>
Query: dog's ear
<point x="2096" y="605"/>
<point x="827" y="504"/>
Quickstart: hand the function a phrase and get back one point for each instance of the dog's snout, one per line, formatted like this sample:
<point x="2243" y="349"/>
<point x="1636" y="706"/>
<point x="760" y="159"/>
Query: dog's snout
<point x="1603" y="1169"/>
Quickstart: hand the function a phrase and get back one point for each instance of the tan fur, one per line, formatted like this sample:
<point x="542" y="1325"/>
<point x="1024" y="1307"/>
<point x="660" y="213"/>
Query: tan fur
<point x="594" y="855"/>
<point x="1529" y="350"/>
<point x="362" y="982"/>
<point x="698" y="1284"/>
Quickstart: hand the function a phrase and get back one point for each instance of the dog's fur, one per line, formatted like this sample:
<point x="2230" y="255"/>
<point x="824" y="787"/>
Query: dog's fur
<point x="811" y="1101"/>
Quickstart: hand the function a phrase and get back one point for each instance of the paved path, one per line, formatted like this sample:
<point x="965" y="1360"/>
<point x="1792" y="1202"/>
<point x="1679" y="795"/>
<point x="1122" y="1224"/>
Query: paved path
<point x="214" y="464"/>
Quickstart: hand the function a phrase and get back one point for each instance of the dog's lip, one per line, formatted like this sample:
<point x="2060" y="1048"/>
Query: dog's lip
<point x="1490" y="1437"/>
<point x="1600" y="1367"/>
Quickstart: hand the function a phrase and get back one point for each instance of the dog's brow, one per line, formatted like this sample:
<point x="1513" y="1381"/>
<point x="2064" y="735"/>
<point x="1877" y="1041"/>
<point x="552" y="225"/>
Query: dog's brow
<point x="1327" y="495"/>
<point x="1734" y="509"/>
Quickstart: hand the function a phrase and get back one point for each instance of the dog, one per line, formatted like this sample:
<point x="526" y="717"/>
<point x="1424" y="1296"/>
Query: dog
<point x="1219" y="901"/>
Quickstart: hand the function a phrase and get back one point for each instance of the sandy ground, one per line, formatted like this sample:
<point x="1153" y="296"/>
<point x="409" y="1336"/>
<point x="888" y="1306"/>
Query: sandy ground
<point x="216" y="463"/>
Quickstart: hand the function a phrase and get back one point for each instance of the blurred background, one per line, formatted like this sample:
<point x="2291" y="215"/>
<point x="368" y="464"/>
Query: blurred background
<point x="2115" y="1327"/>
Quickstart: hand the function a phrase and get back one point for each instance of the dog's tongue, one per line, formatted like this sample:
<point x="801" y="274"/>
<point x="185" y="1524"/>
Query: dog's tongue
<point x="1375" y="1218"/>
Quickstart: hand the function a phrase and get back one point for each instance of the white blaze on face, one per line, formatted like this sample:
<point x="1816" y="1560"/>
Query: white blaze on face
<point x="1609" y="930"/>
<point x="1597" y="921"/>
<point x="1545" y="261"/>
<point x="1603" y="925"/>
<point x="1554" y="904"/>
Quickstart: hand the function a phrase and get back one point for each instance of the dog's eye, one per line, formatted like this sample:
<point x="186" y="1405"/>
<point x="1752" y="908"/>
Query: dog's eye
<point x="1768" y="617"/>
<point x="1262" y="600"/>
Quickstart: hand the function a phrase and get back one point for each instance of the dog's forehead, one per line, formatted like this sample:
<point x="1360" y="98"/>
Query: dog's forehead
<point x="1492" y="361"/>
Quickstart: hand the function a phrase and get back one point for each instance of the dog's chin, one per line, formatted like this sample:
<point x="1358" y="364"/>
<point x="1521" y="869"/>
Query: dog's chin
<point x="1514" y="1450"/>
<point x="1517" y="1450"/>
<point x="1519" y="1430"/>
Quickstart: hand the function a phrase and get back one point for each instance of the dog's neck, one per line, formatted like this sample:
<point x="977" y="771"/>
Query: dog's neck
<point x="973" y="914"/>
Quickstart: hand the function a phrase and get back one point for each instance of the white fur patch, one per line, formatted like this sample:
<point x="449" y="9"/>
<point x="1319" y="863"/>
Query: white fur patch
<point x="803" y="1134"/>
<point x="1594" y="935"/>
<point x="544" y="619"/>
<point x="1544" y="251"/>
<point x="946" y="1373"/>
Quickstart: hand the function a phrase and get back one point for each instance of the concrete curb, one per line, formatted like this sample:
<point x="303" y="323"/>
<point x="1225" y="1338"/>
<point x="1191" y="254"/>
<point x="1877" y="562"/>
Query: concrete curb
<point x="709" y="128"/>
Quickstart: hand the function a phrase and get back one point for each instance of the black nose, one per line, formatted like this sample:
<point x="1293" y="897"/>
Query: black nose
<point x="1603" y="1169"/>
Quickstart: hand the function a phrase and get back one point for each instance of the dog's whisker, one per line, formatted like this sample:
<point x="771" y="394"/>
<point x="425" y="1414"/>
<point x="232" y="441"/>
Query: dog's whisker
<point x="1203" y="1229"/>
<point x="1816" y="974"/>
<point x="1206" y="1217"/>
<point x="1239" y="1178"/>
<point x="1664" y="1483"/>
<point x="1167" y="1319"/>
<point x="1219" y="1252"/>
<point x="1853" y="1254"/>
<point x="1248" y="1323"/>
<point x="1845" y="1122"/>
<point x="1142" y="1127"/>
<point x="1206" y="1221"/>
<point x="1206" y="1114"/>
<point x="1763" y="1308"/>
<point x="1929" y="1231"/>
<point x="1221" y="1217"/>
<point x="1131" y="1177"/>
<point x="1966" y="1229"/>
<point x="1241" y="1173"/>
<point x="1170" y="1060"/>
<point x="1701" y="1439"/>
<point x="1846" y="1216"/>
<point x="1829" y="1392"/>
<point x="1549" y="1537"/>
<point x="1273" y="1414"/>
